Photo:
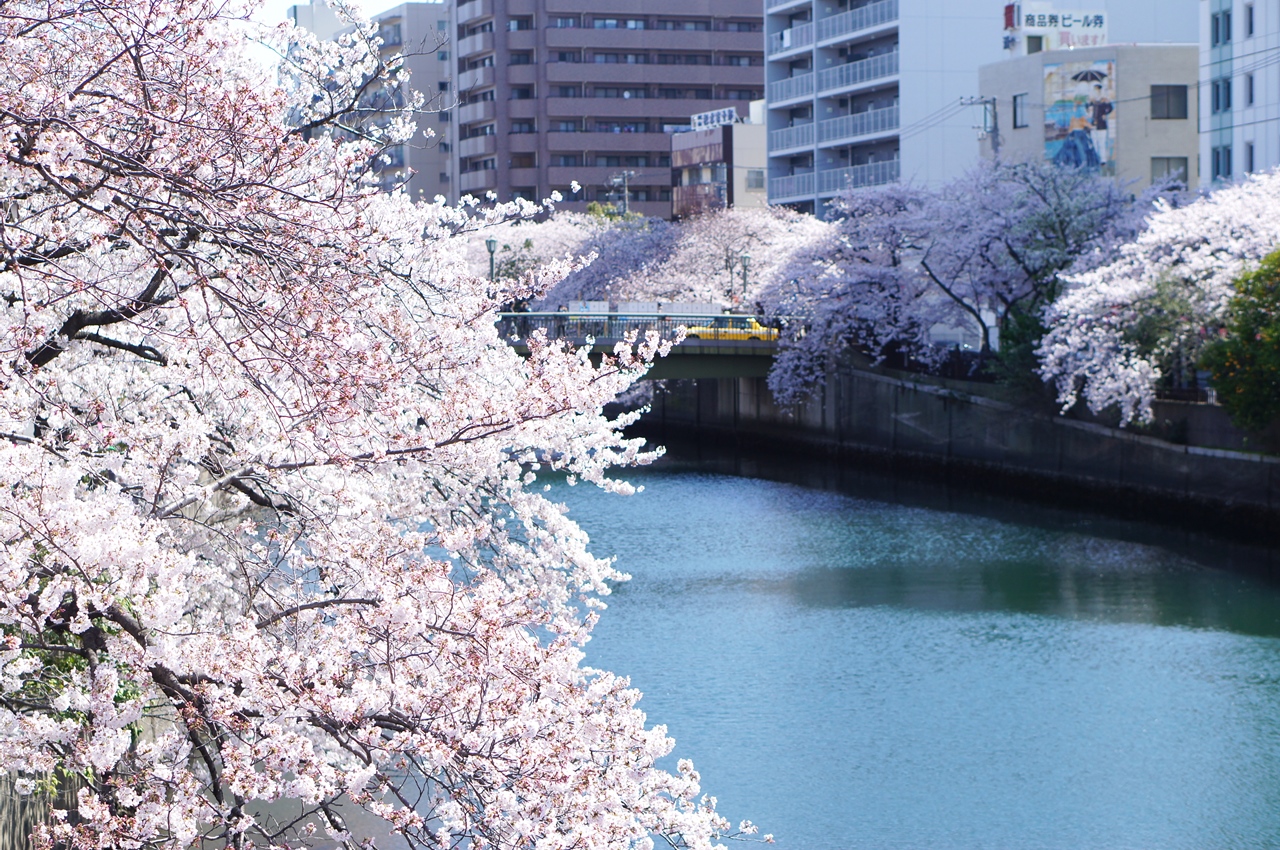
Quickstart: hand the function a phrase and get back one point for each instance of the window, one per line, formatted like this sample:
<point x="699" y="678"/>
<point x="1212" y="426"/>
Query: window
<point x="562" y="160"/>
<point x="744" y="26"/>
<point x="1168" y="102"/>
<point x="521" y="58"/>
<point x="684" y="59"/>
<point x="517" y="24"/>
<point x="693" y="26"/>
<point x="612" y="91"/>
<point x="618" y="23"/>
<point x="442" y="25"/>
<point x="445" y="147"/>
<point x="1222" y="162"/>
<point x="1248" y="89"/>
<point x="444" y="177"/>
<point x="443" y="85"/>
<point x="1248" y="157"/>
<point x="442" y="55"/>
<point x="755" y="179"/>
<point x="741" y="61"/>
<point x="482" y="130"/>
<point x="1020" y="118"/>
<point x="564" y="23"/>
<point x="487" y="26"/>
<point x="564" y="126"/>
<point x="480" y="97"/>
<point x="621" y="127"/>
<point x="567" y="91"/>
<point x="522" y="93"/>
<point x="1248" y="23"/>
<point x="443" y="116"/>
<point x="1220" y="93"/>
<point x="619" y="160"/>
<point x="1168" y="168"/>
<point x="522" y="127"/>
<point x="742" y="94"/>
<point x="1220" y="28"/>
<point x="568" y="56"/>
<point x="1035" y="43"/>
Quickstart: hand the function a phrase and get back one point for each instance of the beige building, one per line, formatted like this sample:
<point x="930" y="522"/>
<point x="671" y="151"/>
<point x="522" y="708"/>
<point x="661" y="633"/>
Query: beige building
<point x="557" y="91"/>
<point x="721" y="163"/>
<point x="421" y="32"/>
<point x="1128" y="110"/>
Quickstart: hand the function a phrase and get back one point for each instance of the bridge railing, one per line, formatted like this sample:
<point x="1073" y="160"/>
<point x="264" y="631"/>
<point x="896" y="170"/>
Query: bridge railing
<point x="612" y="326"/>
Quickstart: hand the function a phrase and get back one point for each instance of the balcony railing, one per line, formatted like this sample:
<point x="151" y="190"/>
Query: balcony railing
<point x="800" y="35"/>
<point x="791" y="137"/>
<point x="791" y="88"/>
<point x="859" y="124"/>
<point x="858" y="176"/>
<point x="854" y="73"/>
<point x="797" y="185"/>
<point x="846" y="23"/>
<point x="776" y="4"/>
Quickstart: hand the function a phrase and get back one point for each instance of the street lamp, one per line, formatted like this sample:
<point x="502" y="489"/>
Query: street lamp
<point x="746" y="263"/>
<point x="492" y="245"/>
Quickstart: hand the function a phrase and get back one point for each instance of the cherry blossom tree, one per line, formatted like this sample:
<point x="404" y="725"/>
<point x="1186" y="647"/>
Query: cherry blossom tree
<point x="271" y="530"/>
<point x="1119" y="328"/>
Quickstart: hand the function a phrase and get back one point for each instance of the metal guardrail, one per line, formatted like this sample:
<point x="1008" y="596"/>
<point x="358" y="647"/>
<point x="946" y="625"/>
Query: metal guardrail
<point x="846" y="23"/>
<point x="791" y="186"/>
<point x="800" y="35"/>
<point x="791" y="88"/>
<point x="858" y="124"/>
<point x="861" y="71"/>
<point x="859" y="176"/>
<point x="606" y="327"/>
<point x="791" y="137"/>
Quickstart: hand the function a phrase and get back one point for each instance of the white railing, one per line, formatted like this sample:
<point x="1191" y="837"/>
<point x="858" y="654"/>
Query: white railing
<point x="871" y="15"/>
<point x="791" y="137"/>
<point x="800" y="35"/>
<point x="791" y="88"/>
<point x="859" y="176"/>
<point x="774" y="4"/>
<point x="797" y="185"/>
<point x="853" y="73"/>
<point x="859" y="124"/>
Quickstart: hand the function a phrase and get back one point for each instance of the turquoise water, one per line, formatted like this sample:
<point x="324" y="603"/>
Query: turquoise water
<point x="857" y="672"/>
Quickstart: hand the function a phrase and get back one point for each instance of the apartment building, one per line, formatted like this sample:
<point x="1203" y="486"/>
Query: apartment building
<point x="421" y="31"/>
<point x="557" y="91"/>
<point x="867" y="92"/>
<point x="1125" y="109"/>
<point x="1240" y="88"/>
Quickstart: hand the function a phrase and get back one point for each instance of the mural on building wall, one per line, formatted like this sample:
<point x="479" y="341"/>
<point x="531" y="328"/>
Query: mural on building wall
<point x="1080" y="114"/>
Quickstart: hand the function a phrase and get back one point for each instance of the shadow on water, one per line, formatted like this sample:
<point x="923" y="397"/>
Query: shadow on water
<point x="1219" y="552"/>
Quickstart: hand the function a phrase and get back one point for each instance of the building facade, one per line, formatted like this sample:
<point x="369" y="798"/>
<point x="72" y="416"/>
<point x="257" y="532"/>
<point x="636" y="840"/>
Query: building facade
<point x="720" y="163"/>
<point x="1128" y="110"/>
<point x="424" y="166"/>
<point x="553" y="92"/>
<point x="866" y="92"/>
<point x="1240" y="103"/>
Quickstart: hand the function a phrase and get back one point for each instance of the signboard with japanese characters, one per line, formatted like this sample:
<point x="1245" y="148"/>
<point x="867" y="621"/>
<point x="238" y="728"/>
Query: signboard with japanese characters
<point x="1059" y="30"/>
<point x="716" y="118"/>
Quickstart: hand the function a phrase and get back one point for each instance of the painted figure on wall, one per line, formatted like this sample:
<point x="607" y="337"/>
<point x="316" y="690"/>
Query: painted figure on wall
<point x="1079" y="114"/>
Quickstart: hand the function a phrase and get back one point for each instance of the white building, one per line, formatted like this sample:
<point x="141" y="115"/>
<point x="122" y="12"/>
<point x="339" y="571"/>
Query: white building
<point x="865" y="93"/>
<point x="1240" y="90"/>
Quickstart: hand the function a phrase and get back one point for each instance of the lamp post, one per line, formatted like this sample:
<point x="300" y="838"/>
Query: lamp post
<point x="492" y="245"/>
<point x="624" y="180"/>
<point x="745" y="259"/>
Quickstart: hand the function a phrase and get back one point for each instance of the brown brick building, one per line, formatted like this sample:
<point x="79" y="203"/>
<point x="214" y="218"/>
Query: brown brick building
<point x="552" y="91"/>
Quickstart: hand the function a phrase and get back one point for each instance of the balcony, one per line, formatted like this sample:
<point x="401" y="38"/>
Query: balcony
<point x="476" y="78"/>
<point x="474" y="10"/>
<point x="831" y="80"/>
<point x="522" y="177"/>
<point x="847" y="128"/>
<point x="858" y="176"/>
<point x="792" y="88"/>
<point x="625" y="40"/>
<point x="477" y="145"/>
<point x="472" y="112"/>
<point x="656" y="143"/>
<point x="481" y="42"/>
<point x="795" y="186"/>
<point x="522" y="75"/>
<point x="795" y="38"/>
<point x="791" y="137"/>
<point x="595" y="176"/>
<point x="621" y="73"/>
<point x="478" y="181"/>
<point x="846" y="23"/>
<point x="780" y="5"/>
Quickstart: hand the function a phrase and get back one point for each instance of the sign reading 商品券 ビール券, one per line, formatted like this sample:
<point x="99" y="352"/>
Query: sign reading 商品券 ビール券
<point x="1060" y="30"/>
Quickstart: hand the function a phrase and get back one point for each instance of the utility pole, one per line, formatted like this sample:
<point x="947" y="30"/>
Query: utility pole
<point x="990" y="119"/>
<point x="624" y="179"/>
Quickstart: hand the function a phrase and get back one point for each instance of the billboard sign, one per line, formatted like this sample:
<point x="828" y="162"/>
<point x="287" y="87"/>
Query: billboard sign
<point x="1080" y="114"/>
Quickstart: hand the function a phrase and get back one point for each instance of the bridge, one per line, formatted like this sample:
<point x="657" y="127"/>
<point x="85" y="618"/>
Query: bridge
<point x="715" y="346"/>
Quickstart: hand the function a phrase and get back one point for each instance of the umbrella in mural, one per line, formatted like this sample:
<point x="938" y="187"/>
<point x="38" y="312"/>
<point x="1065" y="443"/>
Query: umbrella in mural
<point x="1090" y="75"/>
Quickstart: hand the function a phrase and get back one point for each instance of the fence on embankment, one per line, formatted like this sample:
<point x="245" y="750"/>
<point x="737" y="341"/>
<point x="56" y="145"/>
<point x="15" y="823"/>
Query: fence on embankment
<point x="917" y="426"/>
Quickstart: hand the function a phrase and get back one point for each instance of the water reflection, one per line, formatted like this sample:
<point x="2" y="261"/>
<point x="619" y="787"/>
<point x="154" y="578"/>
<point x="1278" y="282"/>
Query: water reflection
<point x="856" y="671"/>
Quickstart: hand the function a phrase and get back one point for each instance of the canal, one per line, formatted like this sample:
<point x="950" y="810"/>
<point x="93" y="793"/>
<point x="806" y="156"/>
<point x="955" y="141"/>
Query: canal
<point x="870" y="663"/>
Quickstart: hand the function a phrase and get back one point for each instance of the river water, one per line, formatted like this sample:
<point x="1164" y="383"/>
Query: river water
<point x="867" y="669"/>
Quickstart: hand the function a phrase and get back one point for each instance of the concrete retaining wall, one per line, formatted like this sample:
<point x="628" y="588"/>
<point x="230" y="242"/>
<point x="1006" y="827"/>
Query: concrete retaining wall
<point x="900" y="423"/>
